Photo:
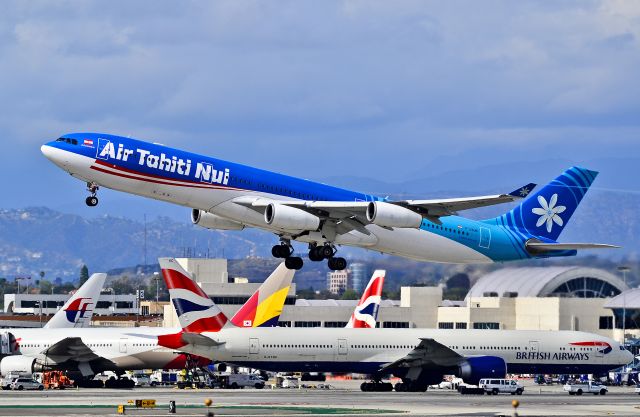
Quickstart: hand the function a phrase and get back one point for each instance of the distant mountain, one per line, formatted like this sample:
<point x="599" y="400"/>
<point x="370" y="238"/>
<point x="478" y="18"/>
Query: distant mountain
<point x="41" y="239"/>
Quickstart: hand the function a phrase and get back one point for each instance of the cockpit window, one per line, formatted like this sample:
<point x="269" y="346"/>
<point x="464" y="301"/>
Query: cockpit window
<point x="68" y="140"/>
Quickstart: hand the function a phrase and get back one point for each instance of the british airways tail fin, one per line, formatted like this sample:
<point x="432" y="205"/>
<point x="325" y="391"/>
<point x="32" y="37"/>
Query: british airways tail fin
<point x="545" y="213"/>
<point x="197" y="312"/>
<point x="365" y="314"/>
<point x="265" y="305"/>
<point x="78" y="310"/>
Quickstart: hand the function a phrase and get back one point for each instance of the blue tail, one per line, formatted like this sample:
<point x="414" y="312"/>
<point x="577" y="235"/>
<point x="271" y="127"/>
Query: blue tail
<point x="546" y="213"/>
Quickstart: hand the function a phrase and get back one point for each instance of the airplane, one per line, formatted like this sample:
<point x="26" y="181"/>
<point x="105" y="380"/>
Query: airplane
<point x="229" y="196"/>
<point x="75" y="313"/>
<point x="89" y="351"/>
<point x="365" y="314"/>
<point x="420" y="357"/>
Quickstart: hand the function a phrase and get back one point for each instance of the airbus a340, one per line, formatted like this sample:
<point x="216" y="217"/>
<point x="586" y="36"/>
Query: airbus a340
<point x="230" y="196"/>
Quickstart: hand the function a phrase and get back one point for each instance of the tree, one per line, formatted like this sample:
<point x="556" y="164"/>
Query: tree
<point x="349" y="294"/>
<point x="84" y="274"/>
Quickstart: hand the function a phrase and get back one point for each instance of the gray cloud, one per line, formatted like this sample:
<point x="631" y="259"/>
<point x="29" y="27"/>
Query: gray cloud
<point x="345" y="83"/>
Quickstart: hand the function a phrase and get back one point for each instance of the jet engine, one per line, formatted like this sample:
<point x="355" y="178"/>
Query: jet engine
<point x="283" y="217"/>
<point x="213" y="221"/>
<point x="391" y="215"/>
<point x="473" y="369"/>
<point x="19" y="364"/>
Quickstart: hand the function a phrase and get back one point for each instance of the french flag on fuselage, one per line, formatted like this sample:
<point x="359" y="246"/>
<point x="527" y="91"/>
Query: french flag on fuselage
<point x="197" y="313"/>
<point x="366" y="313"/>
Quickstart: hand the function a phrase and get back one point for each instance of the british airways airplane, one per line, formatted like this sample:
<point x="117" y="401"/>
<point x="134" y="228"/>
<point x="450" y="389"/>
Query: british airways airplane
<point x="420" y="357"/>
<point x="230" y="196"/>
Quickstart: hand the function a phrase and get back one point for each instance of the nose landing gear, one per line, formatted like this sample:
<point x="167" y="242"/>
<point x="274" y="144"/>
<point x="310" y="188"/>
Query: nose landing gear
<point x="92" y="200"/>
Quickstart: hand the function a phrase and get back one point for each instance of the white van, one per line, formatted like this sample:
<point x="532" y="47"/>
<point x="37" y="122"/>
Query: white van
<point x="242" y="380"/>
<point x="495" y="386"/>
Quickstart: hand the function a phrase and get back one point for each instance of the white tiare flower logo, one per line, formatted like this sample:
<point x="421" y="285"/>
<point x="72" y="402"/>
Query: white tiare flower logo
<point x="548" y="212"/>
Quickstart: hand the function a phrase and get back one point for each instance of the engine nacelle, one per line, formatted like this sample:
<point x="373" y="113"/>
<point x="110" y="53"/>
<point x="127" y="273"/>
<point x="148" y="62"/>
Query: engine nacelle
<point x="19" y="364"/>
<point x="284" y="217"/>
<point x="390" y="215"/>
<point x="213" y="221"/>
<point x="473" y="369"/>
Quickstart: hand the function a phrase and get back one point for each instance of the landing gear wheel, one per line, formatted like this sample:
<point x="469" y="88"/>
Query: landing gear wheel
<point x="293" y="262"/>
<point x="326" y="251"/>
<point x="337" y="264"/>
<point x="314" y="254"/>
<point x="92" y="201"/>
<point x="281" y="251"/>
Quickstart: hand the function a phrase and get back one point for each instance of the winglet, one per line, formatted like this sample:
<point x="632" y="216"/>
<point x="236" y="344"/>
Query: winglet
<point x="523" y="191"/>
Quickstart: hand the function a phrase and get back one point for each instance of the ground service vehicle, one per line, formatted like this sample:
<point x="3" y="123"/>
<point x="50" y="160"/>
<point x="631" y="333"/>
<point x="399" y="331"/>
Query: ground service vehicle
<point x="26" y="383"/>
<point x="591" y="387"/>
<point x="496" y="386"/>
<point x="242" y="380"/>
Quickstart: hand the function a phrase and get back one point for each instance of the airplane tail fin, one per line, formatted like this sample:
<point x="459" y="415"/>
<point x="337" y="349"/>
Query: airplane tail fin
<point x="365" y="314"/>
<point x="197" y="312"/>
<point x="78" y="310"/>
<point x="265" y="305"/>
<point x="545" y="213"/>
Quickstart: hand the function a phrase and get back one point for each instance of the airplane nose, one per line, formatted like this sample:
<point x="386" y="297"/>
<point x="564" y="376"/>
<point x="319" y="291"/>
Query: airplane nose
<point x="54" y="155"/>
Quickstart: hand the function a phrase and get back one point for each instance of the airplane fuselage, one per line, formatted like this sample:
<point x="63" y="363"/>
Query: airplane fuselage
<point x="367" y="350"/>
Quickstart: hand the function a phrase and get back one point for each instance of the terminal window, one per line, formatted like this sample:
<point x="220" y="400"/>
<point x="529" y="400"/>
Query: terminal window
<point x="335" y="323"/>
<point x="395" y="325"/>
<point x="461" y="325"/>
<point x="445" y="325"/>
<point x="606" y="322"/>
<point x="486" y="325"/>
<point x="307" y="324"/>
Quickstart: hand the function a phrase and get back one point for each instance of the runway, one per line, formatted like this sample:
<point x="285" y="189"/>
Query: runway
<point x="343" y="400"/>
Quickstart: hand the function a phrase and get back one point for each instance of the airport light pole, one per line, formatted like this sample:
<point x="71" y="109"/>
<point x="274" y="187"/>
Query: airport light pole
<point x="624" y="269"/>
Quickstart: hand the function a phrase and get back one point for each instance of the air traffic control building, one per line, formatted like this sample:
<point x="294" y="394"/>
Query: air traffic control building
<point x="546" y="298"/>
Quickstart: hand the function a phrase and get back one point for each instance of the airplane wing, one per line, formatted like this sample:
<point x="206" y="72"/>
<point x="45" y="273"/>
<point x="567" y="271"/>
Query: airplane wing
<point x="428" y="353"/>
<point x="353" y="214"/>
<point x="70" y="348"/>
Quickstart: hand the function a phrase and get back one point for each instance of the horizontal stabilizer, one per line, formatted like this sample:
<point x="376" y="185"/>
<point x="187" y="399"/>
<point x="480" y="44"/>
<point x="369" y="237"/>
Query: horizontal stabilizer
<point x="199" y="340"/>
<point x="538" y="247"/>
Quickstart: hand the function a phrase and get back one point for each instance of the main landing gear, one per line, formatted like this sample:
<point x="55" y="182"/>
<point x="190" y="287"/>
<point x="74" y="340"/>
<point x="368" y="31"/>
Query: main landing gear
<point x="321" y="252"/>
<point x="285" y="250"/>
<point x="376" y="386"/>
<point x="92" y="200"/>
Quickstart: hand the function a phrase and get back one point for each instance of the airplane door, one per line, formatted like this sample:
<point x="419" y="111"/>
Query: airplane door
<point x="485" y="237"/>
<point x="123" y="345"/>
<point x="254" y="346"/>
<point x="534" y="346"/>
<point x="342" y="347"/>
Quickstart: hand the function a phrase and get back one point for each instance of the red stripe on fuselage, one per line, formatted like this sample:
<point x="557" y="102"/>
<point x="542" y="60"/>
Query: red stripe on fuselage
<point x="156" y="179"/>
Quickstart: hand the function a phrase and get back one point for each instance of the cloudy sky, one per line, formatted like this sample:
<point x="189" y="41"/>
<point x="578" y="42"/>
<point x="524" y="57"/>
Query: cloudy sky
<point x="319" y="89"/>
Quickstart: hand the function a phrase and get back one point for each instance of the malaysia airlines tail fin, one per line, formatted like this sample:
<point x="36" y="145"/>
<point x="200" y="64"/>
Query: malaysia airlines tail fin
<point x="545" y="214"/>
<point x="365" y="314"/>
<point x="78" y="310"/>
<point x="265" y="305"/>
<point x="197" y="312"/>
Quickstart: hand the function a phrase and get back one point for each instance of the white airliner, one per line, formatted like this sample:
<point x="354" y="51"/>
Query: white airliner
<point x="230" y="196"/>
<point x="419" y="356"/>
<point x="93" y="350"/>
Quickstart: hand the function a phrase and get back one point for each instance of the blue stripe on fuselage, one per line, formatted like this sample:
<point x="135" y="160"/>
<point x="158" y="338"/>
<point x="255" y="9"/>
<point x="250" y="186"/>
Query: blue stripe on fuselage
<point x="374" y="367"/>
